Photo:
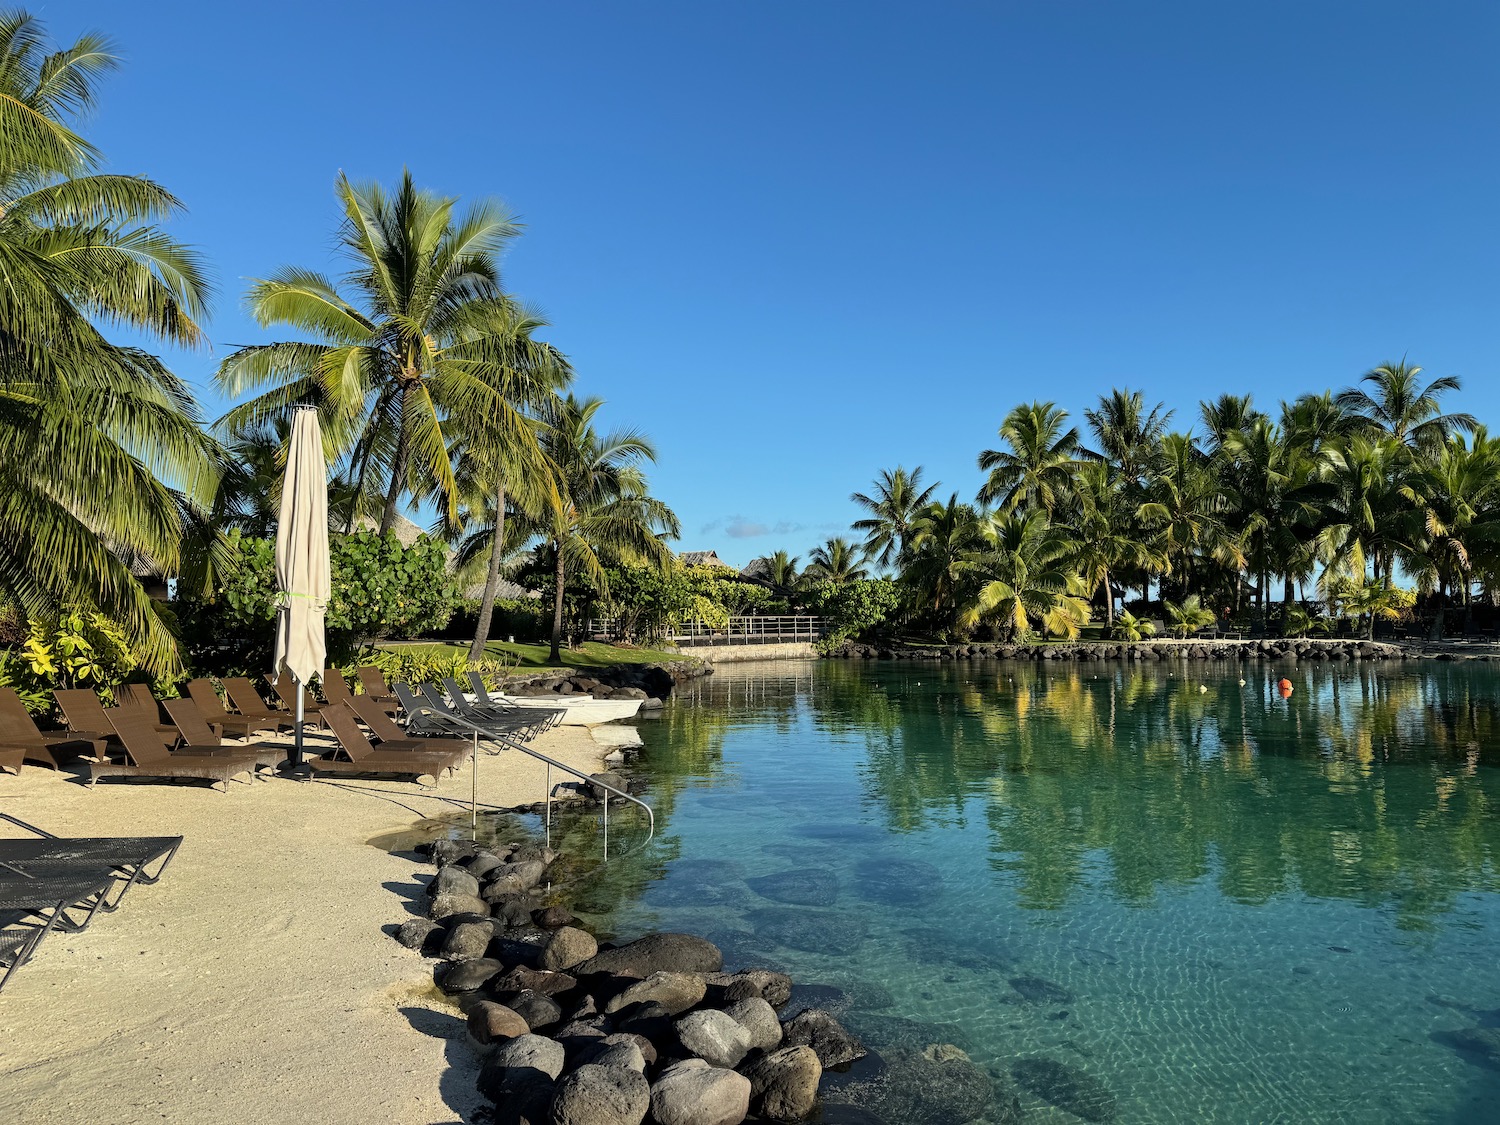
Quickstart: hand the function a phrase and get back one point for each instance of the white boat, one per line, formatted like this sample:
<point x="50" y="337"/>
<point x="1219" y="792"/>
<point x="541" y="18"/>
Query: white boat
<point x="580" y="710"/>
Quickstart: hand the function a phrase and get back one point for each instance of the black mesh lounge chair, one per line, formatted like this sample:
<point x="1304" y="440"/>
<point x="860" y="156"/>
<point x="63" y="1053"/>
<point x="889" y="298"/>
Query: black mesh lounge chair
<point x="374" y="684"/>
<point x="554" y="715"/>
<point x="335" y="690"/>
<point x="18" y="732"/>
<point x="130" y="856"/>
<point x="197" y="737"/>
<point x="43" y="879"/>
<point x="149" y="758"/>
<point x="422" y="718"/>
<point x="355" y="755"/>
<point x="31" y="908"/>
<point x="203" y="694"/>
<point x="503" y="718"/>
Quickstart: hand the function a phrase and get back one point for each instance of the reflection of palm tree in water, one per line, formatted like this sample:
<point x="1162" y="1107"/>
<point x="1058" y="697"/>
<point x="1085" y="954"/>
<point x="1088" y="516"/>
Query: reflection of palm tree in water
<point x="1326" y="793"/>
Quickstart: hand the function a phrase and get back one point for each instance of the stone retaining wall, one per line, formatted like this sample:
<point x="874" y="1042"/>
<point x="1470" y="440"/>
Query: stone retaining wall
<point x="1270" y="649"/>
<point x="736" y="654"/>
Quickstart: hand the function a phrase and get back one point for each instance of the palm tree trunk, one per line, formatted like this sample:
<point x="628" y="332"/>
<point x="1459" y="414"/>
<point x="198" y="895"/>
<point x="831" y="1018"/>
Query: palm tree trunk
<point x="1109" y="604"/>
<point x="491" y="578"/>
<point x="557" y="609"/>
<point x="398" y="473"/>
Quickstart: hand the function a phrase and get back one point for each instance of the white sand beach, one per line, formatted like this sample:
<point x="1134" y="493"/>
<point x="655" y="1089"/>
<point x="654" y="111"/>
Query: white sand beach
<point x="253" y="983"/>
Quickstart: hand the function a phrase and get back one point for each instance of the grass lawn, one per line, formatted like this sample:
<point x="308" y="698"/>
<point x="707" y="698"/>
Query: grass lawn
<point x="591" y="655"/>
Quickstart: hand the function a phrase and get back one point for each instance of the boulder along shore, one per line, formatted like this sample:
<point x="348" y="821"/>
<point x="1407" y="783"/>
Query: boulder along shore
<point x="1278" y="648"/>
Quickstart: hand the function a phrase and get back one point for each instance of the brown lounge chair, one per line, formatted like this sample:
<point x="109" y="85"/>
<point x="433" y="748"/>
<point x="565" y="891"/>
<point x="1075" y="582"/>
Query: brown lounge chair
<point x="360" y="757"/>
<point x="139" y="698"/>
<point x="390" y="737"/>
<point x="375" y="685"/>
<point x="11" y="761"/>
<point x="248" y="702"/>
<point x="83" y="711"/>
<point x="207" y="699"/>
<point x="197" y="737"/>
<point x="286" y="691"/>
<point x="149" y="758"/>
<point x="18" y="732"/>
<point x="336" y="690"/>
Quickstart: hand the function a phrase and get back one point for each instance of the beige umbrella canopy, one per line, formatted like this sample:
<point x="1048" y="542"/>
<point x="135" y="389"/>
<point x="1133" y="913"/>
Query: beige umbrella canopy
<point x="302" y="560"/>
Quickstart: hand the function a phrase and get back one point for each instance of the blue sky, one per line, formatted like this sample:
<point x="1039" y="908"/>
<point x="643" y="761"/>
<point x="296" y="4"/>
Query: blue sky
<point x="798" y="243"/>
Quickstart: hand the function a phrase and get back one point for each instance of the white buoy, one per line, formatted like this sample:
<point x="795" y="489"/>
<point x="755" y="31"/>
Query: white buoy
<point x="1202" y="689"/>
<point x="1242" y="683"/>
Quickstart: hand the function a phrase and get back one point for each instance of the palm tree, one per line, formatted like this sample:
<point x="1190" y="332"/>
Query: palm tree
<point x="605" y="513"/>
<point x="1401" y="407"/>
<point x="1108" y="539"/>
<point x="1024" y="577"/>
<point x="944" y="538"/>
<point x="1185" y="503"/>
<point x="899" y="498"/>
<point x="1369" y="522"/>
<point x="488" y="461"/>
<point x="837" y="561"/>
<point x="420" y="333"/>
<point x="1126" y="433"/>
<point x="1037" y="470"/>
<point x="1280" y="492"/>
<point x="779" y="573"/>
<point x="1226" y="415"/>
<point x="1457" y="498"/>
<point x="102" y="459"/>
<point x="1190" y="616"/>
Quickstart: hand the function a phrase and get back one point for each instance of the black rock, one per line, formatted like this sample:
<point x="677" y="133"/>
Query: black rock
<point x="467" y="976"/>
<point x="939" y="1086"/>
<point x="805" y="886"/>
<point x="538" y="1011"/>
<point x="813" y="931"/>
<point x="678" y="953"/>
<point x="898" y="882"/>
<point x="420" y="933"/>
<point x="825" y="1035"/>
<point x="601" y="1095"/>
<point x="1066" y="1087"/>
<point x="1039" y="990"/>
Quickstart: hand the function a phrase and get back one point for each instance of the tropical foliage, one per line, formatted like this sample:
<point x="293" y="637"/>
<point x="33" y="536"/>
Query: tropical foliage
<point x="103" y="466"/>
<point x="1287" y="519"/>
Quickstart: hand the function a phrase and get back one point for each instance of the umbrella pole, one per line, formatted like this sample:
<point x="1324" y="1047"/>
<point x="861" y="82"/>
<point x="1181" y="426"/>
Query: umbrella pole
<point x="474" y="798"/>
<point x="297" y="738"/>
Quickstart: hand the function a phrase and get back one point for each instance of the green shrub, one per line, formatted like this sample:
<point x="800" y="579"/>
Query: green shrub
<point x="379" y="589"/>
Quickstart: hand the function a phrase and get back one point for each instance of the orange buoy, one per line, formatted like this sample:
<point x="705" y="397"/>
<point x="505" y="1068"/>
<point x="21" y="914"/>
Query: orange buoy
<point x="1284" y="684"/>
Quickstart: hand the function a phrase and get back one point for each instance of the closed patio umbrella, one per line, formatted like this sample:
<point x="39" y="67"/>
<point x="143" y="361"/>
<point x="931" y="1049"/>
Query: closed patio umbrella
<point x="302" y="560"/>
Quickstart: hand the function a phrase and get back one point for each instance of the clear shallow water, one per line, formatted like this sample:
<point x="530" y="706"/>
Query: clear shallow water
<point x="1224" y="906"/>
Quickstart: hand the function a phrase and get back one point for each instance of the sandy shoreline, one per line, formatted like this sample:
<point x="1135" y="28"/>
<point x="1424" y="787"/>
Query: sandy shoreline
<point x="254" y="982"/>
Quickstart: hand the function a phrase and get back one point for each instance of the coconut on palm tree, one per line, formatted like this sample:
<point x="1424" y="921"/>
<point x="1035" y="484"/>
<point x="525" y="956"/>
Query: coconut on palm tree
<point x="102" y="461"/>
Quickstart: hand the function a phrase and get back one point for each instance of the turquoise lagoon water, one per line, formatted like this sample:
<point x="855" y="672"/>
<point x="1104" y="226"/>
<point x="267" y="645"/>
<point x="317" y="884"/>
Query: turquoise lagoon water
<point x="1222" y="905"/>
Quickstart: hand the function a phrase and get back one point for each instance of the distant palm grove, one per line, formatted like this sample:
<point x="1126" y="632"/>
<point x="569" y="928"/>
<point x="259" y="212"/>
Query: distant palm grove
<point x="1334" y="510"/>
<point x="436" y="392"/>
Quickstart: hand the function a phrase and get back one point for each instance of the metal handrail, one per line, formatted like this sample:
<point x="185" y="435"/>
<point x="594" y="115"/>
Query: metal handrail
<point x="743" y="629"/>
<point x="491" y="735"/>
